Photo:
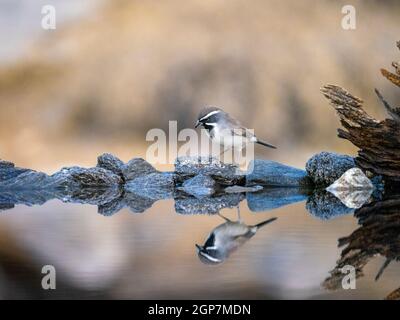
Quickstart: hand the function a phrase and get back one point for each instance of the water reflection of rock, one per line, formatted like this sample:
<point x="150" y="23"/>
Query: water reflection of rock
<point x="378" y="234"/>
<point x="325" y="206"/>
<point x="209" y="205"/>
<point x="272" y="198"/>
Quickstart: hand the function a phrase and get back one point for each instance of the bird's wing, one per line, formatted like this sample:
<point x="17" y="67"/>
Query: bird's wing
<point x="237" y="128"/>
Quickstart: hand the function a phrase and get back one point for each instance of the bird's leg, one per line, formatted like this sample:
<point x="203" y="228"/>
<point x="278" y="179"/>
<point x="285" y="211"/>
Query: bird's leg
<point x="223" y="217"/>
<point x="238" y="212"/>
<point x="380" y="272"/>
<point x="223" y="152"/>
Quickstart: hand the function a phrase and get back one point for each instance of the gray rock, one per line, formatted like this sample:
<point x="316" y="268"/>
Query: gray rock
<point x="17" y="178"/>
<point x="271" y="173"/>
<point x="352" y="179"/>
<point x="9" y="173"/>
<point x="199" y="186"/>
<point x="110" y="162"/>
<point x="225" y="174"/>
<point x="6" y="164"/>
<point x="326" y="167"/>
<point x="209" y="205"/>
<point x="272" y="198"/>
<point x="137" y="167"/>
<point x="76" y="177"/>
<point x="325" y="206"/>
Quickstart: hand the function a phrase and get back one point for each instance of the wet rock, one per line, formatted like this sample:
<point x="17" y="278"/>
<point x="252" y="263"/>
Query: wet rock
<point x="352" y="179"/>
<point x="209" y="205"/>
<point x="76" y="177"/>
<point x="199" y="186"/>
<point x="17" y="178"/>
<point x="326" y="167"/>
<point x="225" y="174"/>
<point x="110" y="162"/>
<point x="325" y="205"/>
<point x="9" y="173"/>
<point x="6" y="164"/>
<point x="271" y="173"/>
<point x="137" y="167"/>
<point x="272" y="198"/>
<point x="240" y="189"/>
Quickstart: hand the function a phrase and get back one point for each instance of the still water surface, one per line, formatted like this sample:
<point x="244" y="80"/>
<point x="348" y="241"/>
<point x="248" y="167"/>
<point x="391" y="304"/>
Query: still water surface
<point x="153" y="255"/>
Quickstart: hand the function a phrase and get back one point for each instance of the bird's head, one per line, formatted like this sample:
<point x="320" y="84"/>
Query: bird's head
<point x="208" y="255"/>
<point x="208" y="115"/>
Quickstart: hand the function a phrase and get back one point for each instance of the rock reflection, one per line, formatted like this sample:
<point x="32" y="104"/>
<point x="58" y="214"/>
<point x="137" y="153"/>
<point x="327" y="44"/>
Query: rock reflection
<point x="378" y="234"/>
<point x="227" y="238"/>
<point x="324" y="205"/>
<point x="110" y="201"/>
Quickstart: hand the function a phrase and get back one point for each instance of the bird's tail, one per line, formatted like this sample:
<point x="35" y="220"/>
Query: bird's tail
<point x="261" y="224"/>
<point x="265" y="144"/>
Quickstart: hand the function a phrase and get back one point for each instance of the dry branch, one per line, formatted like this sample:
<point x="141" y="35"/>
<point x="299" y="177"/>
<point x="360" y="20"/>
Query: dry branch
<point x="378" y="141"/>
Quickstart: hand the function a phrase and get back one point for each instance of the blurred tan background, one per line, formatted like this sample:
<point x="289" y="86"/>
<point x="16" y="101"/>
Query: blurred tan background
<point x="112" y="70"/>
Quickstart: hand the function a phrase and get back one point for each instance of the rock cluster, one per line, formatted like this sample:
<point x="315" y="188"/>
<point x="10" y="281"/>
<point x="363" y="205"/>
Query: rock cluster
<point x="197" y="185"/>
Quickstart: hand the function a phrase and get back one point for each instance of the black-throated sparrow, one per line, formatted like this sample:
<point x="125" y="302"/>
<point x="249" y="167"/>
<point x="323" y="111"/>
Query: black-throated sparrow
<point x="225" y="239"/>
<point x="226" y="131"/>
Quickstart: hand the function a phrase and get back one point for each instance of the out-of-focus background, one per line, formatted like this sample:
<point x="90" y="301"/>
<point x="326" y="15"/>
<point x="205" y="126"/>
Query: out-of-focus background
<point x="112" y="70"/>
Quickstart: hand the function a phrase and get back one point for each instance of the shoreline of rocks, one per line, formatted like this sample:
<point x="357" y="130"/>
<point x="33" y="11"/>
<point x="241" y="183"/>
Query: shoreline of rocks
<point x="198" y="184"/>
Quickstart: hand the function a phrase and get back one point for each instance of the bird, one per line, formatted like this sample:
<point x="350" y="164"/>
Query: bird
<point x="226" y="130"/>
<point x="226" y="238"/>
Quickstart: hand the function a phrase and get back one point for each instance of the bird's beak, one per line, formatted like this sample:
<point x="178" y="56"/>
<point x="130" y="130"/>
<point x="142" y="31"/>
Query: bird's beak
<point x="197" y="124"/>
<point x="198" y="247"/>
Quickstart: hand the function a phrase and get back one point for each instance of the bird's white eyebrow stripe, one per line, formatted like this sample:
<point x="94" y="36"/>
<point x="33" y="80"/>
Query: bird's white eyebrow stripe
<point x="209" y="114"/>
<point x="210" y="124"/>
<point x="209" y="257"/>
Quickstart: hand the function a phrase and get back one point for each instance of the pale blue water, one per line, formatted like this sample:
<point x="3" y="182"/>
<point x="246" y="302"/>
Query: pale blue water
<point x="153" y="255"/>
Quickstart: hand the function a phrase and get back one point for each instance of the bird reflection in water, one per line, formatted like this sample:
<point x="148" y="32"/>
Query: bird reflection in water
<point x="226" y="238"/>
